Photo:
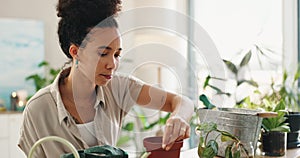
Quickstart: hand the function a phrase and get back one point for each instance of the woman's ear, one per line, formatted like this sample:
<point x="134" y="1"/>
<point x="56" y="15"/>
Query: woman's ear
<point x="73" y="50"/>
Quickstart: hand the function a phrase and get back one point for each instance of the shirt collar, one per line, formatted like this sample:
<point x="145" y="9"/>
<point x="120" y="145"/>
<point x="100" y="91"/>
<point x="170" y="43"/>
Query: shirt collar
<point x="100" y="101"/>
<point x="62" y="112"/>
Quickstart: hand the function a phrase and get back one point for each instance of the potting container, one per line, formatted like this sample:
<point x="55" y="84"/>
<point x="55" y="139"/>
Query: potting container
<point x="293" y="137"/>
<point x="273" y="143"/>
<point x="154" y="145"/>
<point x="243" y="123"/>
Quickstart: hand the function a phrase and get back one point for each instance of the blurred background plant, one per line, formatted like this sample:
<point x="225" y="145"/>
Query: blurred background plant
<point x="282" y="88"/>
<point x="135" y="128"/>
<point x="41" y="80"/>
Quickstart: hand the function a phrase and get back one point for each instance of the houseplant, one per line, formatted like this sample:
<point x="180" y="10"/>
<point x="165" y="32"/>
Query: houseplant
<point x="290" y="94"/>
<point x="236" y="70"/>
<point x="209" y="148"/>
<point x="273" y="136"/>
<point x="44" y="79"/>
<point x="286" y="92"/>
<point x="242" y="125"/>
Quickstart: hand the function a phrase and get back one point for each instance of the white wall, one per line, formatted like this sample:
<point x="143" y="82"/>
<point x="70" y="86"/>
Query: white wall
<point x="43" y="10"/>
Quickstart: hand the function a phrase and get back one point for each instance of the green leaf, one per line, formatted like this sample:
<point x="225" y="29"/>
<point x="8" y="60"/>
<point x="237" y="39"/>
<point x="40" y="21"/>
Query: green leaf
<point x="227" y="134"/>
<point x="163" y="120"/>
<point x="123" y="140"/>
<point x="250" y="82"/>
<point x="246" y="59"/>
<point x="129" y="126"/>
<point x="208" y="152"/>
<point x="206" y="82"/>
<point x="280" y="106"/>
<point x="228" y="153"/>
<point x="277" y="123"/>
<point x="200" y="151"/>
<point x="237" y="154"/>
<point x="225" y="138"/>
<point x="219" y="91"/>
<point x="231" y="66"/>
<point x="211" y="149"/>
<point x="54" y="72"/>
<point x="207" y="126"/>
<point x="266" y="124"/>
<point x="43" y="63"/>
<point x="214" y="145"/>
<point x="282" y="128"/>
<point x="206" y="102"/>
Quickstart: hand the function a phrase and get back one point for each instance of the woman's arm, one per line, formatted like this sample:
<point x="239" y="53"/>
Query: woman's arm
<point x="181" y="108"/>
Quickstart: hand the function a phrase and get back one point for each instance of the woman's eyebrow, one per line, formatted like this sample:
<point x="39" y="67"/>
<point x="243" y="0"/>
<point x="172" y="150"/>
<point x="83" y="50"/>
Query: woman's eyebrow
<point x="107" y="47"/>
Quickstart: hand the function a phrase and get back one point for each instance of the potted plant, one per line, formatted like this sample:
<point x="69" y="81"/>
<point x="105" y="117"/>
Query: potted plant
<point x="291" y="97"/>
<point x="273" y="136"/>
<point x="208" y="148"/>
<point x="286" y="92"/>
<point x="242" y="125"/>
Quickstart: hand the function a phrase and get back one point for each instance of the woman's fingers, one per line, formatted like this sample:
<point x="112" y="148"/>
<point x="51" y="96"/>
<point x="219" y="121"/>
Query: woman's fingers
<point x="176" y="129"/>
<point x="167" y="134"/>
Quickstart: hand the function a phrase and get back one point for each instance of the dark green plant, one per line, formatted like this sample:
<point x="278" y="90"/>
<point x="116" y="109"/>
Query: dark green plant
<point x="277" y="123"/>
<point x="209" y="148"/>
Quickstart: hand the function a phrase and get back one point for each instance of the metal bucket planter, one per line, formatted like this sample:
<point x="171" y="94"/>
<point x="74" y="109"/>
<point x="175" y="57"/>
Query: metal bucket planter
<point x="244" y="124"/>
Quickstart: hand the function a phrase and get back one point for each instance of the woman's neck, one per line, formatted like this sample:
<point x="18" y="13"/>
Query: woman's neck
<point x="80" y="89"/>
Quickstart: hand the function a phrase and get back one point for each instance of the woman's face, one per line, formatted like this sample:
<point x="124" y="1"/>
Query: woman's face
<point x="99" y="58"/>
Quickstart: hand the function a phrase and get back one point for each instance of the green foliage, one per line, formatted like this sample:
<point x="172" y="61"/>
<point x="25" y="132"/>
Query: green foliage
<point x="236" y="70"/>
<point x="277" y="123"/>
<point x="123" y="140"/>
<point x="129" y="126"/>
<point x="286" y="92"/>
<point x="144" y="126"/>
<point x="209" y="148"/>
<point x="41" y="80"/>
<point x="206" y="102"/>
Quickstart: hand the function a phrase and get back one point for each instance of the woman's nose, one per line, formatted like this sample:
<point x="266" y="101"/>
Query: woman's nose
<point x="111" y="63"/>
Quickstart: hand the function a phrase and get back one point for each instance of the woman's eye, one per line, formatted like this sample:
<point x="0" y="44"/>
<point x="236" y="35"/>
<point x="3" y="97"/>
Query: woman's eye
<point x="117" y="56"/>
<point x="102" y="54"/>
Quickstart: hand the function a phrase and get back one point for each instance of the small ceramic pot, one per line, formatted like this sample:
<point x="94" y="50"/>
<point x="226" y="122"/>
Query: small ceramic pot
<point x="154" y="145"/>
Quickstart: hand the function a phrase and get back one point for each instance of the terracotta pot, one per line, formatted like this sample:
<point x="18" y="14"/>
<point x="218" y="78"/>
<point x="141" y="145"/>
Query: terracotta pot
<point x="154" y="145"/>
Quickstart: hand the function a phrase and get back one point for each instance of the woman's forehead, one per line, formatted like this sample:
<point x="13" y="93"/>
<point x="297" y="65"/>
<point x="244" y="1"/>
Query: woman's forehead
<point x="108" y="36"/>
<point x="104" y="34"/>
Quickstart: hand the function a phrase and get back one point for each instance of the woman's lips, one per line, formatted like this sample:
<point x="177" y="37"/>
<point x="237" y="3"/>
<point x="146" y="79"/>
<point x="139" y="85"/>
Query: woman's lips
<point x="107" y="76"/>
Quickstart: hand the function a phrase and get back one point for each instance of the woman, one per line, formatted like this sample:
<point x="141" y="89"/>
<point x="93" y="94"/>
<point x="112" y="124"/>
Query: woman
<point x="87" y="101"/>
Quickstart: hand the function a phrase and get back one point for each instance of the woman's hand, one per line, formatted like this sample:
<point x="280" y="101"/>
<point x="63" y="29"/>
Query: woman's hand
<point x="176" y="129"/>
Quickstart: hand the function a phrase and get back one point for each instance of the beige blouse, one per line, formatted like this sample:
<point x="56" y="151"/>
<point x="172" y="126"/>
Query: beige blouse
<point x="45" y="115"/>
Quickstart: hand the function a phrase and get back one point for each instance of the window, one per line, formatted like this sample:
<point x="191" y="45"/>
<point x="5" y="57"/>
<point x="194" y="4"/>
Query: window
<point x="266" y="28"/>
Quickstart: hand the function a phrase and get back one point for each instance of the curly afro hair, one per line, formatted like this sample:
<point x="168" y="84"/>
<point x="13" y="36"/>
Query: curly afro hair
<point x="79" y="16"/>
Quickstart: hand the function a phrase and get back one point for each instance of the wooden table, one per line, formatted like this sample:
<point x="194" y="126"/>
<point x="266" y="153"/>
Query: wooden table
<point x="291" y="153"/>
